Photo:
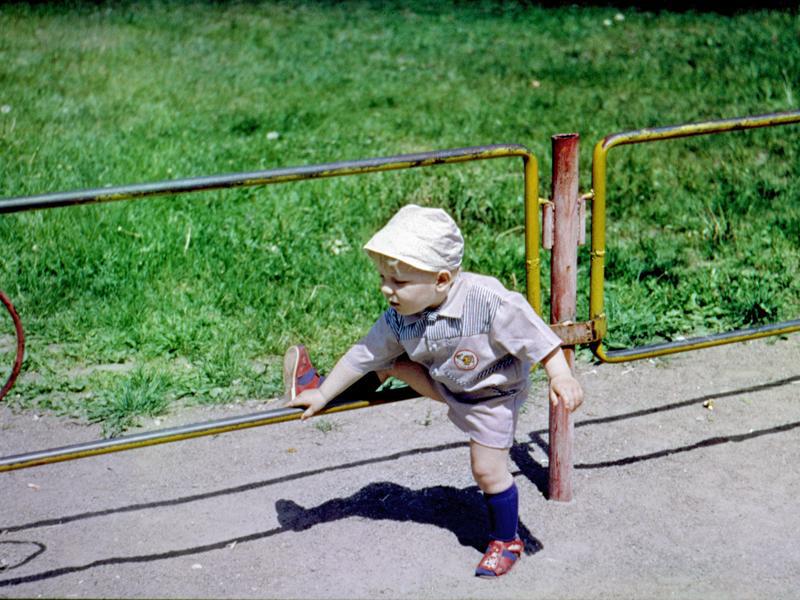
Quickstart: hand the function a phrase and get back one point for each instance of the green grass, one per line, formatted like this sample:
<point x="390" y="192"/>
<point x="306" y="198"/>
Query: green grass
<point x="201" y="293"/>
<point x="145" y="393"/>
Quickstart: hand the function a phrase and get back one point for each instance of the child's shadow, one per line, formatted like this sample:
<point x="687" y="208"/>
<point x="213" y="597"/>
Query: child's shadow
<point x="461" y="511"/>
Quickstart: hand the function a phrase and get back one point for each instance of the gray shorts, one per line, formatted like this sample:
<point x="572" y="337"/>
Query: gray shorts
<point x="490" y="423"/>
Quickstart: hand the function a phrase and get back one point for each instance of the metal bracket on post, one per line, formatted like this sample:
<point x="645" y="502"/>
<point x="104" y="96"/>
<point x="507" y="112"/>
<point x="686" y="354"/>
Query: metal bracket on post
<point x="585" y="332"/>
<point x="547" y="220"/>
<point x="563" y="291"/>
<point x="582" y="216"/>
<point x="547" y="223"/>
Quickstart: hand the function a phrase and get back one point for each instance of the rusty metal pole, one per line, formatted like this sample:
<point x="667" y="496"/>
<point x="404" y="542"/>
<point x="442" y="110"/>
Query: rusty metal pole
<point x="12" y="377"/>
<point x="563" y="290"/>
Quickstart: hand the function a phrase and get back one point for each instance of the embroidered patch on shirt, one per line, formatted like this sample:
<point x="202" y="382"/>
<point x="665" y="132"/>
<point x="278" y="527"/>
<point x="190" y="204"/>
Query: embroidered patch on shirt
<point x="466" y="360"/>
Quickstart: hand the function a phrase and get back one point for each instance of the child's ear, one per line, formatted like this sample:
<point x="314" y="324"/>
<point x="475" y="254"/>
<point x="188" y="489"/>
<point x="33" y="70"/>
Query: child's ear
<point x="443" y="279"/>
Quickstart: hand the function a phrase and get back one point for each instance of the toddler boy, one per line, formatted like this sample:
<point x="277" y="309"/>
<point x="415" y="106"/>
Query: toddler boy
<point x="456" y="337"/>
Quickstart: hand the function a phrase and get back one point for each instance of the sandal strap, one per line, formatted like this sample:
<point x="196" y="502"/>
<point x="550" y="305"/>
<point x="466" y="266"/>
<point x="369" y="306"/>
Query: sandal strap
<point x="499" y="558"/>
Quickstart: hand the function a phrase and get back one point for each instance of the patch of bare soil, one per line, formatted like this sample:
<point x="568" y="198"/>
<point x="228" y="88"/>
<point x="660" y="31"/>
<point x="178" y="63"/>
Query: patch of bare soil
<point x="686" y="484"/>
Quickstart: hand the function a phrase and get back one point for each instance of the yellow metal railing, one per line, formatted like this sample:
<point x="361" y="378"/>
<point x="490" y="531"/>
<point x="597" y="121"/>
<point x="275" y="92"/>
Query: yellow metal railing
<point x="594" y="329"/>
<point x="358" y="167"/>
<point x="321" y="171"/>
<point x="598" y="248"/>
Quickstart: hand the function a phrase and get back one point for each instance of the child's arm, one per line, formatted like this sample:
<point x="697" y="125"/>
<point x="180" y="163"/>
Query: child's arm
<point x="521" y="332"/>
<point x="563" y="385"/>
<point x="374" y="352"/>
<point x="338" y="380"/>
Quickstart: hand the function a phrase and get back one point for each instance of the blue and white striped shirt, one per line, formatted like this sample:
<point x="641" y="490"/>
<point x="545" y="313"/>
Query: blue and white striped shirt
<point x="480" y="343"/>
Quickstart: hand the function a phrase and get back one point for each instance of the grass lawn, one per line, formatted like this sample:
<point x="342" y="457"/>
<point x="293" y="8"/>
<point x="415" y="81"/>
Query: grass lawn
<point x="131" y="306"/>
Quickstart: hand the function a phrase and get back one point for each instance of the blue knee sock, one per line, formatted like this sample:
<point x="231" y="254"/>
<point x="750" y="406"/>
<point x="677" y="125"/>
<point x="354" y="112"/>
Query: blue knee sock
<point x="503" y="514"/>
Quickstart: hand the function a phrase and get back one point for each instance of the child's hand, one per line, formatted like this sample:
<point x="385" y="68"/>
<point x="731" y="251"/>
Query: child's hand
<point x="566" y="389"/>
<point x="314" y="400"/>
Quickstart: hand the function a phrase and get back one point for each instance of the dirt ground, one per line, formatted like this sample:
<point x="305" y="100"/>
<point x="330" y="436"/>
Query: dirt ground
<point x="686" y="480"/>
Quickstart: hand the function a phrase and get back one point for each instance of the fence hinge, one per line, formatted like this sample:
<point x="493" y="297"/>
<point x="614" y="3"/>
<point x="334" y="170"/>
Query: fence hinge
<point x="548" y="225"/>
<point x="582" y="216"/>
<point x="585" y="332"/>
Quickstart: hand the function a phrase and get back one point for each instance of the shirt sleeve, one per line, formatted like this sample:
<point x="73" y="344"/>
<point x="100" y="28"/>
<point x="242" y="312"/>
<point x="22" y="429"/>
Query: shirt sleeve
<point x="376" y="350"/>
<point x="521" y="332"/>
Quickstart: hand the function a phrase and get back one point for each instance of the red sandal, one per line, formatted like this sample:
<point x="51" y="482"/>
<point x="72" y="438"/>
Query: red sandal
<point x="499" y="558"/>
<point x="299" y="374"/>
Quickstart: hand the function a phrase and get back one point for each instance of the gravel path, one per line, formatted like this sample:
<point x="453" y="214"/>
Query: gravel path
<point x="686" y="482"/>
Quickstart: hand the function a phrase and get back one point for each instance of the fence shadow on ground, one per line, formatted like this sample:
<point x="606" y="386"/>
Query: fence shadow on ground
<point x="460" y="511"/>
<point x="520" y="454"/>
<point x="527" y="465"/>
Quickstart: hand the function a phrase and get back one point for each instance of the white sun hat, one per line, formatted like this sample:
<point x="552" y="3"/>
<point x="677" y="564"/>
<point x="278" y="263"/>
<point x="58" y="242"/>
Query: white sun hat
<point x="425" y="238"/>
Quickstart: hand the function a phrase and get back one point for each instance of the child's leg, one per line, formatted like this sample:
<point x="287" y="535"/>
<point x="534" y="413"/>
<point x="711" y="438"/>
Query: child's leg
<point x="415" y="375"/>
<point x="299" y="375"/>
<point x="490" y="470"/>
<point x="490" y="467"/>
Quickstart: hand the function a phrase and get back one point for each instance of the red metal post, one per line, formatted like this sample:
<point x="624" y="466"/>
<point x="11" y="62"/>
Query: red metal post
<point x="563" y="290"/>
<point x="20" y="345"/>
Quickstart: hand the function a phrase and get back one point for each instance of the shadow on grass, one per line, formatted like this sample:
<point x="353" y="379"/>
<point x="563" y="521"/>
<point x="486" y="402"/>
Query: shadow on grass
<point x="460" y="511"/>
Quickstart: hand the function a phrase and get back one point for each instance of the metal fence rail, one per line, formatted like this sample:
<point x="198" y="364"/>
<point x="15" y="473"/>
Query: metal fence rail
<point x="186" y="432"/>
<point x="598" y="251"/>
<point x="571" y="333"/>
<point x="321" y="171"/>
<point x="283" y="175"/>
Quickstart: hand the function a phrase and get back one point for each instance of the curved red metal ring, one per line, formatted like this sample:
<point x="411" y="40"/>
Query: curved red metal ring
<point x="20" y="345"/>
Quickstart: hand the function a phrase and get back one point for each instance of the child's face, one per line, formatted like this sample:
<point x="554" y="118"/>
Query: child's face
<point x="409" y="290"/>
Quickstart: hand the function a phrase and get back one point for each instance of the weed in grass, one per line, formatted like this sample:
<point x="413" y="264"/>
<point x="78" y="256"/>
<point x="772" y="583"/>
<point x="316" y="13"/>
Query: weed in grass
<point x="144" y="393"/>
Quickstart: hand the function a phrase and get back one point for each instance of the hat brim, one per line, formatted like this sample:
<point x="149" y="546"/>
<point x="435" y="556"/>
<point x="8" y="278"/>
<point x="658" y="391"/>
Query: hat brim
<point x="408" y="260"/>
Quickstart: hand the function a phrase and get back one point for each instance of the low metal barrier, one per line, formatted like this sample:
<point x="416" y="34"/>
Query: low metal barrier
<point x="591" y="332"/>
<point x="273" y="176"/>
<point x="186" y="432"/>
<point x="337" y="169"/>
<point x="598" y="249"/>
